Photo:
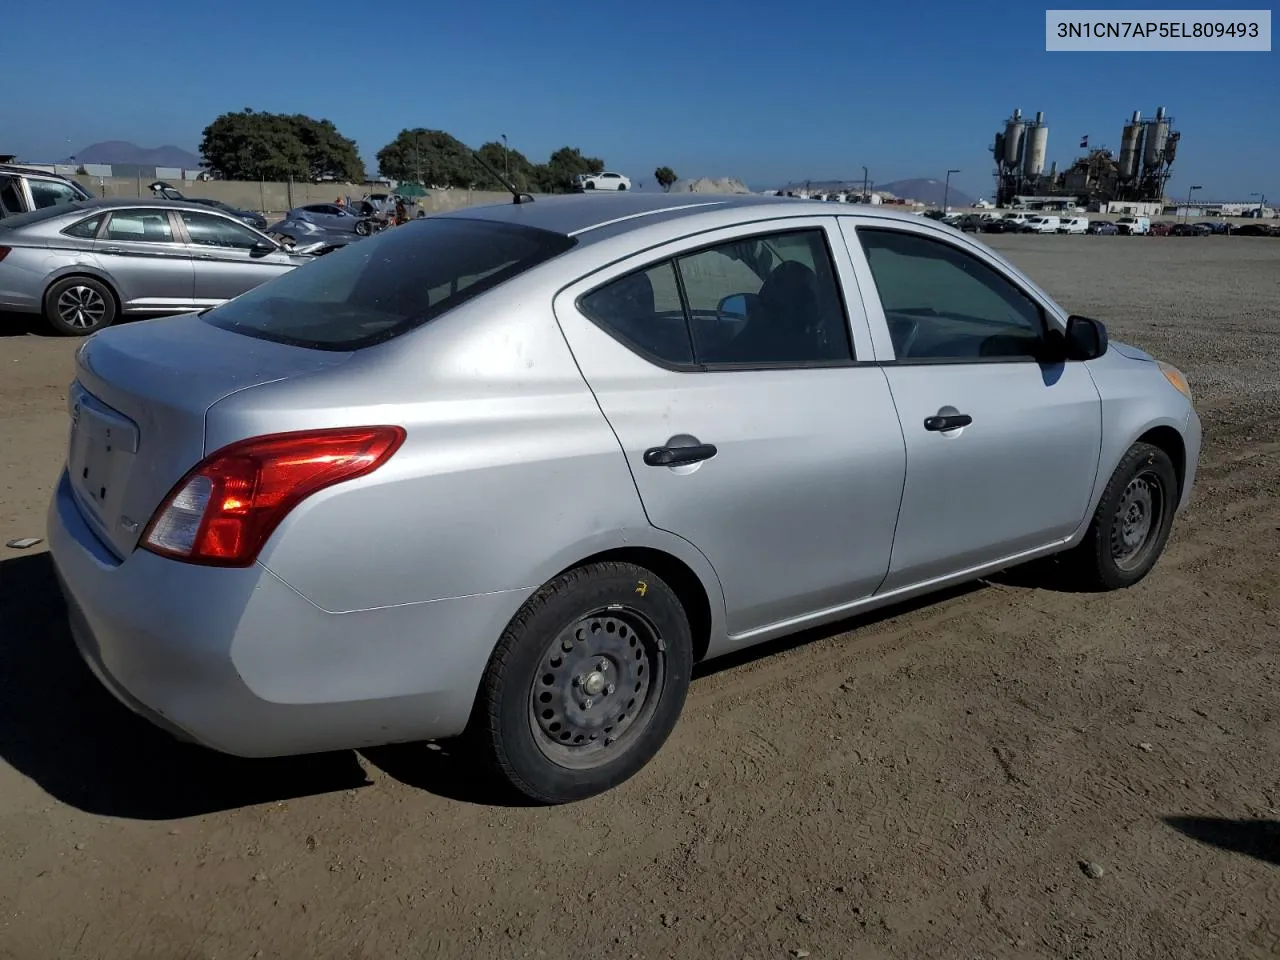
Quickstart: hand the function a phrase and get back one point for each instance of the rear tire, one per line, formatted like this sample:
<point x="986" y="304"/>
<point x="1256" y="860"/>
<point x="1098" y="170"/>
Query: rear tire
<point x="362" y="228"/>
<point x="586" y="683"/>
<point x="1131" y="524"/>
<point x="79" y="306"/>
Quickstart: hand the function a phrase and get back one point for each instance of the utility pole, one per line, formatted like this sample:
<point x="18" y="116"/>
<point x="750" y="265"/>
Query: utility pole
<point x="1186" y="214"/>
<point x="946" y="189"/>
<point x="866" y="194"/>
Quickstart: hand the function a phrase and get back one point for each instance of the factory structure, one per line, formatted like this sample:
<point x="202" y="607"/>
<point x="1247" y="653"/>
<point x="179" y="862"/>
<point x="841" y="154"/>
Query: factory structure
<point x="1097" y="181"/>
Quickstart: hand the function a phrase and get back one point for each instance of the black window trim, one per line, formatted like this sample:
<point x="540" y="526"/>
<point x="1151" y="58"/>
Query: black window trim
<point x="905" y="230"/>
<point x="672" y="259"/>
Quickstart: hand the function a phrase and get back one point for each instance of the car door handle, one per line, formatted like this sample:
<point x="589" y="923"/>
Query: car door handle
<point x="112" y="250"/>
<point x="952" y="422"/>
<point x="678" y="456"/>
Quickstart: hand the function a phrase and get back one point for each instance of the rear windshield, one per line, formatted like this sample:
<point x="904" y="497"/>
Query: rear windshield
<point x="375" y="289"/>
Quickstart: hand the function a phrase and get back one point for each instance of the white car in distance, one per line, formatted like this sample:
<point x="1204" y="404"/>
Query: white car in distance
<point x="601" y="181"/>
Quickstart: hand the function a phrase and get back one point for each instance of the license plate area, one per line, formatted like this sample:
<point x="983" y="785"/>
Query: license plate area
<point x="103" y="446"/>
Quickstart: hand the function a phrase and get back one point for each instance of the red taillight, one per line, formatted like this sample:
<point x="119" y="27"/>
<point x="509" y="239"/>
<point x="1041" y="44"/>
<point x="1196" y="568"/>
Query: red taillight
<point x="223" y="511"/>
<point x="4" y="252"/>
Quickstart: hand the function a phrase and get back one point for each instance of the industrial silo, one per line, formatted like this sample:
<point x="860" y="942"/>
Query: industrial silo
<point x="1013" y="138"/>
<point x="1131" y="147"/>
<point x="1036" y="147"/>
<point x="1157" y="137"/>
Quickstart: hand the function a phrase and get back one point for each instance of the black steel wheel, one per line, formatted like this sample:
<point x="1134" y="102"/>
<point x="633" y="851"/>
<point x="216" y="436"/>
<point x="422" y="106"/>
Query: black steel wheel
<point x="79" y="306"/>
<point x="363" y="228"/>
<point x="586" y="683"/>
<point x="1131" y="524"/>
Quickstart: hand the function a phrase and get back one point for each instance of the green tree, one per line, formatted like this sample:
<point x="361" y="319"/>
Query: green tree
<point x="519" y="169"/>
<point x="249" y="145"/>
<point x="665" y="177"/>
<point x="431" y="157"/>
<point x="556" y="175"/>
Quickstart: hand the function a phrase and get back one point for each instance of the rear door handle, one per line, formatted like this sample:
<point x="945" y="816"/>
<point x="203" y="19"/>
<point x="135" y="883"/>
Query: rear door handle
<point x="112" y="250"/>
<point x="952" y="422"/>
<point x="678" y="456"/>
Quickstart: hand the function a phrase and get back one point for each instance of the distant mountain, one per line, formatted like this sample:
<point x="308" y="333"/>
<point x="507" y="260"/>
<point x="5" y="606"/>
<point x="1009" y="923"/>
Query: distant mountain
<point x="123" y="153"/>
<point x="927" y="191"/>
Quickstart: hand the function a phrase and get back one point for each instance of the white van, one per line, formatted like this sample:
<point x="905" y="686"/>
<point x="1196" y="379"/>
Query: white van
<point x="1074" y="225"/>
<point x="1043" y="224"/>
<point x="1134" y="226"/>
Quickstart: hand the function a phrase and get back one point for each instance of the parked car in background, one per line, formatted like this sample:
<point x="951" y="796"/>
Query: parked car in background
<point x="302" y="236"/>
<point x="334" y="217"/>
<point x="1220" y="227"/>
<point x="969" y="223"/>
<point x="23" y="189"/>
<point x="165" y="191"/>
<point x="1159" y="230"/>
<point x="1133" y="226"/>
<point x="1103" y="227"/>
<point x="601" y="181"/>
<point x="1257" y="230"/>
<point x="1001" y="225"/>
<point x="1190" y="230"/>
<point x="1074" y="225"/>
<point x="278" y="549"/>
<point x="1042" y="224"/>
<point x="84" y="264"/>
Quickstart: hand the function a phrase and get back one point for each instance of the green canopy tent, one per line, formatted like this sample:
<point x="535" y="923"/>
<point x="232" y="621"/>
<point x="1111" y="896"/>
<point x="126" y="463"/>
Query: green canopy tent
<point x="411" y="191"/>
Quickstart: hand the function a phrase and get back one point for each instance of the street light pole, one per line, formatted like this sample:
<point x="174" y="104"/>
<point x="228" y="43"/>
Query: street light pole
<point x="506" y="164"/>
<point x="946" y="189"/>
<point x="866" y="197"/>
<point x="1187" y="212"/>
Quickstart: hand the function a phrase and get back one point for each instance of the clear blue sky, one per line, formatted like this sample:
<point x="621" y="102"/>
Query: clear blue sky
<point x="769" y="93"/>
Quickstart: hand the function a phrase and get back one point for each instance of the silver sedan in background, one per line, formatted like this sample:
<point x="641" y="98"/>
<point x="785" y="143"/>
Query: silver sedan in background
<point x="513" y="470"/>
<point x="84" y="264"/>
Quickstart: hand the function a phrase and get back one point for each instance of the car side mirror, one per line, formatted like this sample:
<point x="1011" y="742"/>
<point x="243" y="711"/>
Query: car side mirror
<point x="265" y="245"/>
<point x="734" y="306"/>
<point x="1085" y="339"/>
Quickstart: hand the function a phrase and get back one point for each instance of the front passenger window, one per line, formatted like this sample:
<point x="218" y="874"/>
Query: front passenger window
<point x="943" y="304"/>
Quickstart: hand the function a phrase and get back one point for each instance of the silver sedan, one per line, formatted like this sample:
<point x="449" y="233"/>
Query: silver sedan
<point x="84" y="264"/>
<point x="512" y="471"/>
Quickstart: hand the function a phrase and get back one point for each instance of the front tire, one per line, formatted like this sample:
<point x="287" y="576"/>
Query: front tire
<point x="1131" y="525"/>
<point x="363" y="228"/>
<point x="586" y="683"/>
<point x="79" y="306"/>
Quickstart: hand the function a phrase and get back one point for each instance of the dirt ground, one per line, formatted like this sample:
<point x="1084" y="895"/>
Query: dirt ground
<point x="926" y="783"/>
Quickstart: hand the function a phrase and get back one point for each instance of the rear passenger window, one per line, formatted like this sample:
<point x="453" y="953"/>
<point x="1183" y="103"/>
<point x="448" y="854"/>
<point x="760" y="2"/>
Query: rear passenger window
<point x="144" y="225"/>
<point x="10" y="205"/>
<point x="643" y="311"/>
<point x="759" y="301"/>
<point x="85" y="229"/>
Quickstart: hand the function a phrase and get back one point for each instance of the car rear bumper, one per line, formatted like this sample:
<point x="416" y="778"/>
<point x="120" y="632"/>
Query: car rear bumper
<point x="236" y="660"/>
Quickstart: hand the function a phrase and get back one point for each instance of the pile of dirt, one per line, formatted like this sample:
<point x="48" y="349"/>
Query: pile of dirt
<point x="710" y="185"/>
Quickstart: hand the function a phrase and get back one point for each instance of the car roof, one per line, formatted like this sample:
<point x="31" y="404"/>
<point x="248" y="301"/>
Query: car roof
<point x="122" y="203"/>
<point x="591" y="217"/>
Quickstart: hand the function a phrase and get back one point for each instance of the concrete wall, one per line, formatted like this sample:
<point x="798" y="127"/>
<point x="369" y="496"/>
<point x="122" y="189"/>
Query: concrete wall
<point x="275" y="198"/>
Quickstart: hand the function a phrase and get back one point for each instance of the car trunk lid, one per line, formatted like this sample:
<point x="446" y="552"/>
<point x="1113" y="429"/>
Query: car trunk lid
<point x="138" y="408"/>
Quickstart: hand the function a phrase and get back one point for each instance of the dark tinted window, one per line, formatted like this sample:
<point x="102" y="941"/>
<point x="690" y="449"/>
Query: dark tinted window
<point x="210" y="231"/>
<point x="944" y="304"/>
<point x="85" y="229"/>
<point x="148" y="226"/>
<point x="51" y="193"/>
<point x="10" y="205"/>
<point x="643" y="310"/>
<point x="381" y="287"/>
<point x="766" y="299"/>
